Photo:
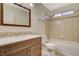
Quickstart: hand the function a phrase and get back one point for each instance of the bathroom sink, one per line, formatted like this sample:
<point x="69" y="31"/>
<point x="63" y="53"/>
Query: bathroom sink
<point x="8" y="40"/>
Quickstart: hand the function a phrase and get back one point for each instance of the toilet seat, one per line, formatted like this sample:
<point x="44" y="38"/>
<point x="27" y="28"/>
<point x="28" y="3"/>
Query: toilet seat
<point x="50" y="46"/>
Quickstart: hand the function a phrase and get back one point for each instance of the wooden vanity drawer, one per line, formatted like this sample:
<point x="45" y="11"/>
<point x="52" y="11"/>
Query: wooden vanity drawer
<point x="23" y="52"/>
<point x="12" y="48"/>
<point x="35" y="50"/>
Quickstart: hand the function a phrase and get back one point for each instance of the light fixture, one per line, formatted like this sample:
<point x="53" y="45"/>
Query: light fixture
<point x="31" y="4"/>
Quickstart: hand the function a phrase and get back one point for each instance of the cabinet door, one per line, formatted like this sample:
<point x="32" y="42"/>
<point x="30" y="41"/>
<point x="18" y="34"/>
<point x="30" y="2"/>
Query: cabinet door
<point x="23" y="52"/>
<point x="35" y="50"/>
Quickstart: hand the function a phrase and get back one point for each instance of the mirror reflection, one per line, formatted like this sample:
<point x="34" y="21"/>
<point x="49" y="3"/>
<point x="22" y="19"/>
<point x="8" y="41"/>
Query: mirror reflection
<point x="16" y="14"/>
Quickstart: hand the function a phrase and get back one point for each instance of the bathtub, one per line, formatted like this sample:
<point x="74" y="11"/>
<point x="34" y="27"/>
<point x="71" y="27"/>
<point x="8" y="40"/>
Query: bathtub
<point x="66" y="48"/>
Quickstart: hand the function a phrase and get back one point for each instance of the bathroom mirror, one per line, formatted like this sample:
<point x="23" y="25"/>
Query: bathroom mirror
<point x="15" y="14"/>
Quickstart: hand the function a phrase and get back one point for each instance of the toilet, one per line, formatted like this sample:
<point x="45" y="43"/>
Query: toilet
<point x="48" y="48"/>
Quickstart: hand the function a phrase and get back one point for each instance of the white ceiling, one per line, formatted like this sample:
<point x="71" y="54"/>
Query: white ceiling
<point x="52" y="6"/>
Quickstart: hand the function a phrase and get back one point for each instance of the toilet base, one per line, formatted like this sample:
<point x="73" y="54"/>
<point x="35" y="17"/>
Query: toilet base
<point x="46" y="52"/>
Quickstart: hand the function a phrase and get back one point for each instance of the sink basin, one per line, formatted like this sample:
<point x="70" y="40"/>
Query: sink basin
<point x="9" y="40"/>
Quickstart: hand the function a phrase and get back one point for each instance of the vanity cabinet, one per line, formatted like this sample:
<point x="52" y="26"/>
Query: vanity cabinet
<point x="23" y="52"/>
<point x="31" y="47"/>
<point x="35" y="50"/>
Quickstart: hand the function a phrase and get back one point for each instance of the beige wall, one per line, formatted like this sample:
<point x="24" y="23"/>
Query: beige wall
<point x="38" y="11"/>
<point x="36" y="26"/>
<point x="48" y="29"/>
<point x="65" y="29"/>
<point x="68" y="29"/>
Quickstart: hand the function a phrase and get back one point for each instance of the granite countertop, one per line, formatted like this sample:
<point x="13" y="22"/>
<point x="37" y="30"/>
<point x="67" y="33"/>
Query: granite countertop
<point x="9" y="40"/>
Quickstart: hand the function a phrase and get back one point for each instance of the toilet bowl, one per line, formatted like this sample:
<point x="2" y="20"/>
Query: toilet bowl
<point x="50" y="46"/>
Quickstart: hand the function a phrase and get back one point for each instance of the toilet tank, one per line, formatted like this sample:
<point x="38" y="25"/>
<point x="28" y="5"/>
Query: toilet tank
<point x="44" y="38"/>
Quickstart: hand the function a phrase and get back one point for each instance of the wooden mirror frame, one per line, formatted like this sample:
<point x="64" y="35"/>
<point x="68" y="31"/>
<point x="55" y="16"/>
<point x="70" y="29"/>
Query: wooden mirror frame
<point x="2" y="16"/>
